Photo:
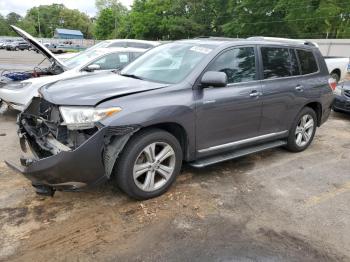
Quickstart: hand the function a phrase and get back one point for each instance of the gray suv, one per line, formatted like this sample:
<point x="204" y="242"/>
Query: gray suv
<point x="200" y="101"/>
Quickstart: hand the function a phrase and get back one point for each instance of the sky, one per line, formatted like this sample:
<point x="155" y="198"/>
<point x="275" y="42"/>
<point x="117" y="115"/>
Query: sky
<point x="21" y="6"/>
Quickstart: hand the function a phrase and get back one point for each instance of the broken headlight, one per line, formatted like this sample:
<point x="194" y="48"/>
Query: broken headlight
<point x="78" y="117"/>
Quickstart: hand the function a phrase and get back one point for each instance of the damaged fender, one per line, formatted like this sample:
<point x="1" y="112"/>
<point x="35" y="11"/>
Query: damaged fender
<point x="114" y="144"/>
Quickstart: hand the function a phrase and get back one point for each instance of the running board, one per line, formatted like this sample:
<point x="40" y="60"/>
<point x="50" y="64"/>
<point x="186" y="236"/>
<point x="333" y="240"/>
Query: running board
<point x="235" y="154"/>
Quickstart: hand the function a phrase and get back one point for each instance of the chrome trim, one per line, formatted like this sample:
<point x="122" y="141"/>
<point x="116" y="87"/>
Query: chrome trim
<point x="242" y="142"/>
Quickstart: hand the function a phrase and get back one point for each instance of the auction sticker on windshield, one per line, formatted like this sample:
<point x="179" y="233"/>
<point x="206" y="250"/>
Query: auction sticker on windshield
<point x="201" y="49"/>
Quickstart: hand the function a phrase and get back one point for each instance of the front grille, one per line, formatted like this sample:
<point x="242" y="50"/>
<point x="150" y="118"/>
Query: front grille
<point x="347" y="93"/>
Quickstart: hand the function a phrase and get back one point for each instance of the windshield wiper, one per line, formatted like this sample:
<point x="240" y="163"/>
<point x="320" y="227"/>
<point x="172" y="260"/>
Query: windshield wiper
<point x="132" y="76"/>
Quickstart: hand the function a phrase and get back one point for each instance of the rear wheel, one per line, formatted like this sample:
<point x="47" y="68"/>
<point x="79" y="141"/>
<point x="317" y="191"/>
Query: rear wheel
<point x="303" y="130"/>
<point x="335" y="76"/>
<point x="149" y="164"/>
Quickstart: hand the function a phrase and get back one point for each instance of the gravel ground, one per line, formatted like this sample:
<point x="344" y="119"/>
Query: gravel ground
<point x="270" y="206"/>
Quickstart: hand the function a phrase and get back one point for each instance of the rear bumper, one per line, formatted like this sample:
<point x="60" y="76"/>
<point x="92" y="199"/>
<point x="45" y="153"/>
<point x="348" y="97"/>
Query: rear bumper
<point x="68" y="170"/>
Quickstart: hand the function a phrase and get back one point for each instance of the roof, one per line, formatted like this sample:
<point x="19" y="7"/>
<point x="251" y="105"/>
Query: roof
<point x="68" y="31"/>
<point x="222" y="41"/>
<point x="120" y="49"/>
<point x="136" y="41"/>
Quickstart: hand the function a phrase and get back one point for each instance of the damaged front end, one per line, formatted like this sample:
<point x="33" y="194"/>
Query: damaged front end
<point x="65" y="159"/>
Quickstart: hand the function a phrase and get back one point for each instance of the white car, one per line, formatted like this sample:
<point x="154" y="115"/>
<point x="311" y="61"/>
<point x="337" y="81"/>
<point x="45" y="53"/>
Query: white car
<point x="134" y="43"/>
<point x="337" y="67"/>
<point x="17" y="94"/>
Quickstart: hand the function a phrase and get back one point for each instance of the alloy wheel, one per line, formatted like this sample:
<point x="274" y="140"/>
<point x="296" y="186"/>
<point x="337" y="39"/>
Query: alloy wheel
<point x="154" y="166"/>
<point x="304" y="130"/>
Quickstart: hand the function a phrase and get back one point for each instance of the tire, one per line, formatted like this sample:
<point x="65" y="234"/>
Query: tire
<point x="135" y="154"/>
<point x="335" y="76"/>
<point x="294" y="144"/>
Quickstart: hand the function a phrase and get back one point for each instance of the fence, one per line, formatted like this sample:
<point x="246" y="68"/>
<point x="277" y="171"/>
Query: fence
<point x="81" y="42"/>
<point x="333" y="47"/>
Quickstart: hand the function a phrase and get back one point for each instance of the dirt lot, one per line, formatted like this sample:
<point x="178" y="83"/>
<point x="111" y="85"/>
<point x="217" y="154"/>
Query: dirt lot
<point x="271" y="206"/>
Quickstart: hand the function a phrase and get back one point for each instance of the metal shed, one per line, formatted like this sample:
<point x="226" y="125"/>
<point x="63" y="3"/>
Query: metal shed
<point x="68" y="34"/>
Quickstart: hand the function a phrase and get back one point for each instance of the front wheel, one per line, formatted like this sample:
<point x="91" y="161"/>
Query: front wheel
<point x="303" y="130"/>
<point x="149" y="164"/>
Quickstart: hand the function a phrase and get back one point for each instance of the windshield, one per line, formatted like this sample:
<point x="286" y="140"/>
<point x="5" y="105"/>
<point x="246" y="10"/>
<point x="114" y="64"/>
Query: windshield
<point x="82" y="58"/>
<point x="169" y="63"/>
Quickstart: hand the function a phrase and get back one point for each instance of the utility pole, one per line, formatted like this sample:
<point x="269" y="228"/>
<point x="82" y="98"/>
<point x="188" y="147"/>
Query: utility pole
<point x="39" y="23"/>
<point x="115" y="25"/>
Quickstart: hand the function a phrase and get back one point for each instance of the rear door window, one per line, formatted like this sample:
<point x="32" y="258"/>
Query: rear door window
<point x="307" y="61"/>
<point x="237" y="63"/>
<point x="276" y="62"/>
<point x="295" y="70"/>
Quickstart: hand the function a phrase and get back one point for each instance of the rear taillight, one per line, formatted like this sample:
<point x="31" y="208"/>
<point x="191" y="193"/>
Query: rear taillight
<point x="332" y="83"/>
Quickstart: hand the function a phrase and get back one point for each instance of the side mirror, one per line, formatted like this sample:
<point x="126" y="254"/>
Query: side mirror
<point x="214" y="79"/>
<point x="93" y="67"/>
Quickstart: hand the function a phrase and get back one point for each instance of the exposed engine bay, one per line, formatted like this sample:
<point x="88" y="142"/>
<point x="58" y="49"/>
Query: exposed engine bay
<point x="7" y="76"/>
<point x="41" y="123"/>
<point x="42" y="128"/>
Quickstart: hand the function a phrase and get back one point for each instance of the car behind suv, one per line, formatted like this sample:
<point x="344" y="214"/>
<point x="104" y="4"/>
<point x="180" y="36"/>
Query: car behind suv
<point x="15" y="46"/>
<point x="202" y="101"/>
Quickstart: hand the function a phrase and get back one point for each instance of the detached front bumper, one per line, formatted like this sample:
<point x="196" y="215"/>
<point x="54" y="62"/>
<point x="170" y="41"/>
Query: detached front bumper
<point x="68" y="170"/>
<point x="64" y="159"/>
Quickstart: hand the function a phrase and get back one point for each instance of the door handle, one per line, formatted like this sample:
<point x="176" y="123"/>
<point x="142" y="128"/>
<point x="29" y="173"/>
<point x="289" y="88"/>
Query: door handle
<point x="299" y="88"/>
<point x="255" y="93"/>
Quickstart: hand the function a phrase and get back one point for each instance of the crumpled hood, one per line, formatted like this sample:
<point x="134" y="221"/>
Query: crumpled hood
<point x="89" y="90"/>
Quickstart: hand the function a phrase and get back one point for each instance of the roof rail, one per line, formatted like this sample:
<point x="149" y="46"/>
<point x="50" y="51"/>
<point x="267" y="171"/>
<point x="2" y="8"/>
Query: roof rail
<point x="287" y="40"/>
<point x="216" y="38"/>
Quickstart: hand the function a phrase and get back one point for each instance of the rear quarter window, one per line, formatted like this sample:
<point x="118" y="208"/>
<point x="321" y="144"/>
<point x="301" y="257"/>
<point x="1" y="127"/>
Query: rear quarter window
<point x="307" y="61"/>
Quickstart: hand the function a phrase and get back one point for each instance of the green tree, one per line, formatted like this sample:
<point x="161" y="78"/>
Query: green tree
<point x="251" y="18"/>
<point x="13" y="18"/>
<point x="4" y="27"/>
<point x="104" y="24"/>
<point x="316" y="18"/>
<point x="110" y="19"/>
<point x="56" y="16"/>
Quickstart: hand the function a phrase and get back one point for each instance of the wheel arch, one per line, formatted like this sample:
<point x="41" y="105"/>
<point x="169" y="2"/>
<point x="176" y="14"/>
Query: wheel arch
<point x="177" y="130"/>
<point x="317" y="107"/>
<point x="336" y="71"/>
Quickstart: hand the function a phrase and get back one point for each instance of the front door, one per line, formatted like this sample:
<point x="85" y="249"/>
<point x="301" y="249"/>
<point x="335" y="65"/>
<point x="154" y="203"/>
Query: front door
<point x="232" y="113"/>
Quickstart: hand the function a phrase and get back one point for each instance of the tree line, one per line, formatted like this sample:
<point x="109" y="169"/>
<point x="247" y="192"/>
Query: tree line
<point x="178" y="19"/>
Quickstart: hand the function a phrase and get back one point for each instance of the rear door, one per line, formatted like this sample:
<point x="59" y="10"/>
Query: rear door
<point x="281" y="87"/>
<point x="230" y="113"/>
